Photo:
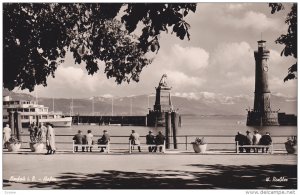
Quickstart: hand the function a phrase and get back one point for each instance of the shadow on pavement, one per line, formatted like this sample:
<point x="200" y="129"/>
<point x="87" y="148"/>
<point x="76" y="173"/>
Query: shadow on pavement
<point x="208" y="177"/>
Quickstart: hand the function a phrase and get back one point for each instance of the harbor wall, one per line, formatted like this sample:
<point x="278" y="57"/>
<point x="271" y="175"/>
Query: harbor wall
<point x="110" y="120"/>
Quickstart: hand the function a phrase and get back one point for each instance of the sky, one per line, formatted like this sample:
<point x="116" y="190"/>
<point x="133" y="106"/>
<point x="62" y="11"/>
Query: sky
<point x="218" y="60"/>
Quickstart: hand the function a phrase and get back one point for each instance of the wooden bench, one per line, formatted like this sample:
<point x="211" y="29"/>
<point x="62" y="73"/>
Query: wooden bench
<point x="270" y="147"/>
<point x="146" y="146"/>
<point x="86" y="146"/>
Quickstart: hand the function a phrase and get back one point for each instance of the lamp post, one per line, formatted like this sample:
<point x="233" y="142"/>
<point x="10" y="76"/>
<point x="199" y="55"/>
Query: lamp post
<point x="130" y="106"/>
<point x="93" y="109"/>
<point x="149" y="99"/>
<point x="112" y="106"/>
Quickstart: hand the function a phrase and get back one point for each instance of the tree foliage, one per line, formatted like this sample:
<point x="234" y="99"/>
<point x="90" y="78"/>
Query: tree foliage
<point x="289" y="40"/>
<point x="38" y="35"/>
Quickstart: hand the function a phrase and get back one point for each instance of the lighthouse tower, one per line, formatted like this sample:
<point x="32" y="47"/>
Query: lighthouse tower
<point x="262" y="115"/>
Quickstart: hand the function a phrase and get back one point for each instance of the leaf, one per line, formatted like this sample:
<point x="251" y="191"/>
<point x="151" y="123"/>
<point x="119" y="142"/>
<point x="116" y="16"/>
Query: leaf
<point x="289" y="77"/>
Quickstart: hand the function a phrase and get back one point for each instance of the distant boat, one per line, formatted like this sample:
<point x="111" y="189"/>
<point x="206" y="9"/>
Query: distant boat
<point x="114" y="125"/>
<point x="31" y="112"/>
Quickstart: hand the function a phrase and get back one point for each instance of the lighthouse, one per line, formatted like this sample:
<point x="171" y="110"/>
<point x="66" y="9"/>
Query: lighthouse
<point x="261" y="114"/>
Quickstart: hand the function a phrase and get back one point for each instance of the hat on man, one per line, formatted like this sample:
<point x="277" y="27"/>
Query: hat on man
<point x="247" y="131"/>
<point x="104" y="130"/>
<point x="255" y="131"/>
<point x="150" y="131"/>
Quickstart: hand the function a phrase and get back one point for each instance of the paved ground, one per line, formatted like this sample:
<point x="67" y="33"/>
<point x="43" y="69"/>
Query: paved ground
<point x="175" y="170"/>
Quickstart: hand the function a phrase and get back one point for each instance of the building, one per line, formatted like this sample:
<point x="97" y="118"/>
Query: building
<point x="262" y="114"/>
<point x="163" y="104"/>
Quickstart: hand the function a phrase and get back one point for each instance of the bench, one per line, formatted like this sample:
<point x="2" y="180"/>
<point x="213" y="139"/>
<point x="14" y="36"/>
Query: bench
<point x="146" y="146"/>
<point x="270" y="147"/>
<point x="86" y="146"/>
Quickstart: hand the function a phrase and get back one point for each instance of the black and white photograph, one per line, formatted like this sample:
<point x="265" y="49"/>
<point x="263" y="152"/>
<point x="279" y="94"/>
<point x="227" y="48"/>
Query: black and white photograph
<point x="149" y="96"/>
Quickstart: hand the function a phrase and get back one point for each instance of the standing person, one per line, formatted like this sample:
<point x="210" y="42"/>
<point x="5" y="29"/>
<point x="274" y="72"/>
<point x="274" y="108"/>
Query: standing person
<point x="240" y="138"/>
<point x="255" y="140"/>
<point x="39" y="131"/>
<point x="159" y="140"/>
<point x="89" y="139"/>
<point x="78" y="138"/>
<point x="31" y="131"/>
<point x="43" y="131"/>
<point x="35" y="129"/>
<point x="6" y="135"/>
<point x="248" y="141"/>
<point x="266" y="140"/>
<point x="104" y="140"/>
<point x="135" y="140"/>
<point x="150" y="140"/>
<point x="50" y="139"/>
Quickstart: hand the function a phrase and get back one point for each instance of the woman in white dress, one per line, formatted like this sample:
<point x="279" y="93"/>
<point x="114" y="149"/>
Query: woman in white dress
<point x="50" y="139"/>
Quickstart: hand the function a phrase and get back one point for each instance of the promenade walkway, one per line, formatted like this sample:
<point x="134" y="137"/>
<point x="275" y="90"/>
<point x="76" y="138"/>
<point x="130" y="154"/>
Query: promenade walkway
<point x="173" y="170"/>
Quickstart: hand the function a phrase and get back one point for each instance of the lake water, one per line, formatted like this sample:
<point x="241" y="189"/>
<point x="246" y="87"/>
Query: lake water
<point x="219" y="132"/>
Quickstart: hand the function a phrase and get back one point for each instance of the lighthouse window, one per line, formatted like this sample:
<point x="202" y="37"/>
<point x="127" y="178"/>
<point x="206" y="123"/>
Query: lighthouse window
<point x="32" y="110"/>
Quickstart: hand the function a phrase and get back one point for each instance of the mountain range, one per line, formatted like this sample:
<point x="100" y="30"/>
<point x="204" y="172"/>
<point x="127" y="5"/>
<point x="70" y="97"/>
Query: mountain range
<point x="203" y="103"/>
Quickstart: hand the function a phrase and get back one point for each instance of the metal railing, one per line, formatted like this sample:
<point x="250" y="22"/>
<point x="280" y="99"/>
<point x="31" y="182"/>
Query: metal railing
<point x="225" y="142"/>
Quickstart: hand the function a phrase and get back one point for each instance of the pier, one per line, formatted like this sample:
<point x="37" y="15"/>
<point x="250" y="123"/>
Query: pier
<point x="110" y="120"/>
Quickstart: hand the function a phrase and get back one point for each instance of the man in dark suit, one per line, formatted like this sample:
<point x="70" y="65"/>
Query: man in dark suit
<point x="265" y="140"/>
<point x="240" y="138"/>
<point x="248" y="141"/>
<point x="159" y="140"/>
<point x="78" y="138"/>
<point x="104" y="140"/>
<point x="150" y="140"/>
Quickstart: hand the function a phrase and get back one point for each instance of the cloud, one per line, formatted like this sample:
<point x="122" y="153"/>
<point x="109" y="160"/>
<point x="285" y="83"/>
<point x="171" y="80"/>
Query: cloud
<point x="236" y="6"/>
<point x="184" y="59"/>
<point x="183" y="81"/>
<point x="191" y="58"/>
<point x="232" y="57"/>
<point x="107" y="95"/>
<point x="188" y="95"/>
<point x="77" y="78"/>
<point x="252" y="20"/>
<point x="239" y="16"/>
<point x="183" y="65"/>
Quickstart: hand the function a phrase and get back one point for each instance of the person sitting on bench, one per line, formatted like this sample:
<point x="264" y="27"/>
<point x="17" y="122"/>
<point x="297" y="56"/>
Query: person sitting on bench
<point x="78" y="138"/>
<point x="89" y="140"/>
<point x="134" y="140"/>
<point x="266" y="140"/>
<point x="159" y="140"/>
<point x="255" y="140"/>
<point x="104" y="140"/>
<point x="240" y="138"/>
<point x="150" y="140"/>
<point x="248" y="141"/>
